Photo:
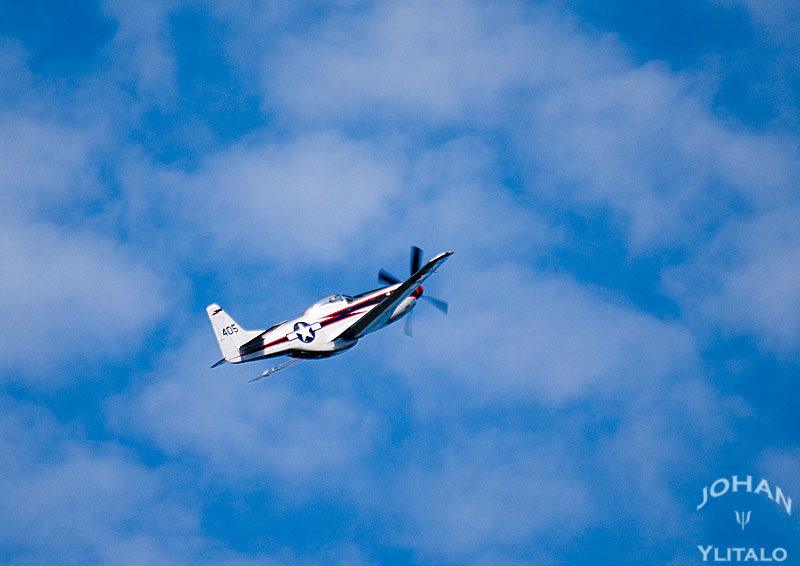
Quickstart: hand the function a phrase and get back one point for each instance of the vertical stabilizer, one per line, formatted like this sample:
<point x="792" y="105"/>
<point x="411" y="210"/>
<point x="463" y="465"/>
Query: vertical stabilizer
<point x="230" y="335"/>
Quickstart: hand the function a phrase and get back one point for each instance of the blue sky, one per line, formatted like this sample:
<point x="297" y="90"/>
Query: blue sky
<point x="619" y="184"/>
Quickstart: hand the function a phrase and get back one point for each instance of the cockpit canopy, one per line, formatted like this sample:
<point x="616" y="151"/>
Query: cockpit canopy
<point x="331" y="301"/>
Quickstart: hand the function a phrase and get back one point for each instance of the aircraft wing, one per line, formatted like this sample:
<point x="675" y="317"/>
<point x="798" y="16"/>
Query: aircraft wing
<point x="287" y="364"/>
<point x="379" y="315"/>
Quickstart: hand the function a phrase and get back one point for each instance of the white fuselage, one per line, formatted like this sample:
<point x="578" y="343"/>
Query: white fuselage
<point x="316" y="333"/>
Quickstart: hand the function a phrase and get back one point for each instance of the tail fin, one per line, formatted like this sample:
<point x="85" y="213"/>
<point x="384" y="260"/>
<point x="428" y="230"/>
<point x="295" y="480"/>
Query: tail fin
<point x="229" y="334"/>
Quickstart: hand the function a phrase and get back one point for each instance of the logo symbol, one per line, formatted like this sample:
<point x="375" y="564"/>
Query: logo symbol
<point x="304" y="332"/>
<point x="743" y="486"/>
<point x="742" y="519"/>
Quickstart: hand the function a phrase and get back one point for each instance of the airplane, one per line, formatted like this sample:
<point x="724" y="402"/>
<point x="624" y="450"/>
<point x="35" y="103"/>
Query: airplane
<point x="329" y="326"/>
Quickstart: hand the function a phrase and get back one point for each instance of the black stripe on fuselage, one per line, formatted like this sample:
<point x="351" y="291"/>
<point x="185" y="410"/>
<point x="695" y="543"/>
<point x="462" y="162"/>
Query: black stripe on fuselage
<point x="327" y="320"/>
<point x="350" y="310"/>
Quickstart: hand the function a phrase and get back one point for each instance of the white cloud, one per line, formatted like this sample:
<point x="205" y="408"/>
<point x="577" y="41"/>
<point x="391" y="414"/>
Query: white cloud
<point x="46" y="165"/>
<point x="461" y="497"/>
<point x="141" y="48"/>
<point x="591" y="130"/>
<point x="68" y="500"/>
<point x="455" y="198"/>
<point x="435" y="58"/>
<point x="643" y="143"/>
<point x="252" y="435"/>
<point x="306" y="198"/>
<point x="781" y="18"/>
<point x="489" y="491"/>
<point x="598" y="129"/>
<point x="660" y="439"/>
<point x="70" y="298"/>
<point x="598" y="132"/>
<point x="513" y="334"/>
<point x="65" y="500"/>
<point x="779" y="466"/>
<point x="744" y="281"/>
<point x="309" y="200"/>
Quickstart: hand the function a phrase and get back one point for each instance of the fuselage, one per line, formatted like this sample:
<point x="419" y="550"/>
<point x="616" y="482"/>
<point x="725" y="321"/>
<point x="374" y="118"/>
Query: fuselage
<point x="317" y="332"/>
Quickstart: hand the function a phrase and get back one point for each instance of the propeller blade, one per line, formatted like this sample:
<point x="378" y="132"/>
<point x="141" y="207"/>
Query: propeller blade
<point x="416" y="259"/>
<point x="438" y="303"/>
<point x="387" y="277"/>
<point x="408" y="326"/>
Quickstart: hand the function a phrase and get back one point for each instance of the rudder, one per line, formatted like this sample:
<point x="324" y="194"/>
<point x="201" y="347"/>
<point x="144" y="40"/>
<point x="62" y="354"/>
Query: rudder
<point x="230" y="336"/>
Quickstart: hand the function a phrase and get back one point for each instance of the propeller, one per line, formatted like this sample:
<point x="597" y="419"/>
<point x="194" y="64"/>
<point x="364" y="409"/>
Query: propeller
<point x="407" y="328"/>
<point x="387" y="277"/>
<point x="416" y="262"/>
<point x="438" y="303"/>
<point x="416" y="259"/>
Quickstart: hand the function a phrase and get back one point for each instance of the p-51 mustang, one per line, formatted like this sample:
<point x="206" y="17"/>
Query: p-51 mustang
<point x="329" y="326"/>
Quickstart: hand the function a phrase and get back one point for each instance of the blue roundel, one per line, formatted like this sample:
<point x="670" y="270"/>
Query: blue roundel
<point x="304" y="332"/>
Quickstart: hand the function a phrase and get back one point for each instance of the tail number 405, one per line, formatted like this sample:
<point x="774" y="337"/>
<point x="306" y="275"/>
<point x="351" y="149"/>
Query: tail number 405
<point x="228" y="330"/>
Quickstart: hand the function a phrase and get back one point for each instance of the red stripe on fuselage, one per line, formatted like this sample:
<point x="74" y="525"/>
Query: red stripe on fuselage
<point x="328" y="319"/>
